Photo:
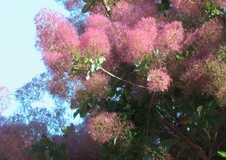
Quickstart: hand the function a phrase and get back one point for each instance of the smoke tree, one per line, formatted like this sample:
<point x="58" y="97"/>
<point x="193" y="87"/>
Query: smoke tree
<point x="149" y="75"/>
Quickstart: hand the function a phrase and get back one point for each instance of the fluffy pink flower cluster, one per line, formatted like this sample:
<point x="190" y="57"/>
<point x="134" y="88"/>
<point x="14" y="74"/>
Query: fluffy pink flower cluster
<point x="98" y="21"/>
<point x="209" y="34"/>
<point x="195" y="78"/>
<point x="57" y="39"/>
<point x="14" y="139"/>
<point x="149" y="25"/>
<point x="139" y="43"/>
<point x="158" y="80"/>
<point x="186" y="6"/>
<point x="122" y="38"/>
<point x="104" y="127"/>
<point x="221" y="95"/>
<point x="54" y="32"/>
<point x="57" y="62"/>
<point x="141" y="40"/>
<point x="94" y="43"/>
<point x="222" y="3"/>
<point x="170" y="37"/>
<point x="97" y="84"/>
<point x="57" y="87"/>
<point x="123" y="10"/>
<point x="98" y="8"/>
<point x="117" y="37"/>
<point x="132" y="40"/>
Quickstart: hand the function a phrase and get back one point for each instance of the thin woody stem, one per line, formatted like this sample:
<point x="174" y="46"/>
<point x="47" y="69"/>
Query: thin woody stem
<point x="104" y="2"/>
<point x="140" y="86"/>
<point x="149" y="108"/>
<point x="194" y="146"/>
<point x="213" y="145"/>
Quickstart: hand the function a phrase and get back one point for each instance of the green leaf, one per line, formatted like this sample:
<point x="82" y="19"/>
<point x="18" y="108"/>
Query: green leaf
<point x="87" y="7"/>
<point x="168" y="143"/>
<point x="115" y="140"/>
<point x="207" y="132"/>
<point x="199" y="109"/>
<point x="76" y="113"/>
<point x="210" y="103"/>
<point x="85" y="60"/>
<point x="125" y="117"/>
<point x="130" y="135"/>
<point x="149" y="142"/>
<point x="179" y="57"/>
<point x="222" y="153"/>
<point x="93" y="67"/>
<point x="102" y="60"/>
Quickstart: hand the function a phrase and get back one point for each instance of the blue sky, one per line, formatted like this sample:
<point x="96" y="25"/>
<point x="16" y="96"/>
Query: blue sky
<point x="19" y="60"/>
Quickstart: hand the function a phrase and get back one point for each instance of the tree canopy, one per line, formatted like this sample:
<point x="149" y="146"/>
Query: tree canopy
<point x="148" y="76"/>
<point x="151" y="74"/>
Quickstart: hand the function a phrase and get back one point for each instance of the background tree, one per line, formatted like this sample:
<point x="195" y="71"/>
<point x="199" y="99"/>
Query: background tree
<point x="4" y="98"/>
<point x="153" y="71"/>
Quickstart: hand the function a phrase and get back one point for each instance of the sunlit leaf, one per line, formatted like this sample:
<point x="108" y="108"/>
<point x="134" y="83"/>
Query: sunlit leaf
<point x="222" y="153"/>
<point x="199" y="109"/>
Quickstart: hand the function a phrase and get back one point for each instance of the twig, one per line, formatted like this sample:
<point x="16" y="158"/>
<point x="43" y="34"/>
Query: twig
<point x="104" y="2"/>
<point x="222" y="143"/>
<point x="213" y="144"/>
<point x="149" y="108"/>
<point x="195" y="147"/>
<point x="122" y="79"/>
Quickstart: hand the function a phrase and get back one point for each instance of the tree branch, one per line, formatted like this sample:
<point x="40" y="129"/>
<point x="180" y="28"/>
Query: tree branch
<point x="140" y="86"/>
<point x="149" y="108"/>
<point x="213" y="144"/>
<point x="195" y="147"/>
<point x="107" y="8"/>
<point x="221" y="143"/>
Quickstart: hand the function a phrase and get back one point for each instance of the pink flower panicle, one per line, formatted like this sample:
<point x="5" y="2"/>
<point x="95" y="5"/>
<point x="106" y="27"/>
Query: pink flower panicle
<point x="222" y="3"/>
<point x="139" y="43"/>
<point x="117" y="37"/>
<point x="71" y="4"/>
<point x="221" y="95"/>
<point x="186" y="6"/>
<point x="104" y="127"/>
<point x="122" y="12"/>
<point x="97" y="84"/>
<point x="149" y="25"/>
<point x="170" y="38"/>
<point x="98" y="21"/>
<point x="57" y="88"/>
<point x="147" y="8"/>
<point x="56" y="62"/>
<point x="94" y="44"/>
<point x="195" y="79"/>
<point x="209" y="34"/>
<point x="54" y="32"/>
<point x="141" y="39"/>
<point x="98" y="8"/>
<point x="13" y="140"/>
<point x="158" y="80"/>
